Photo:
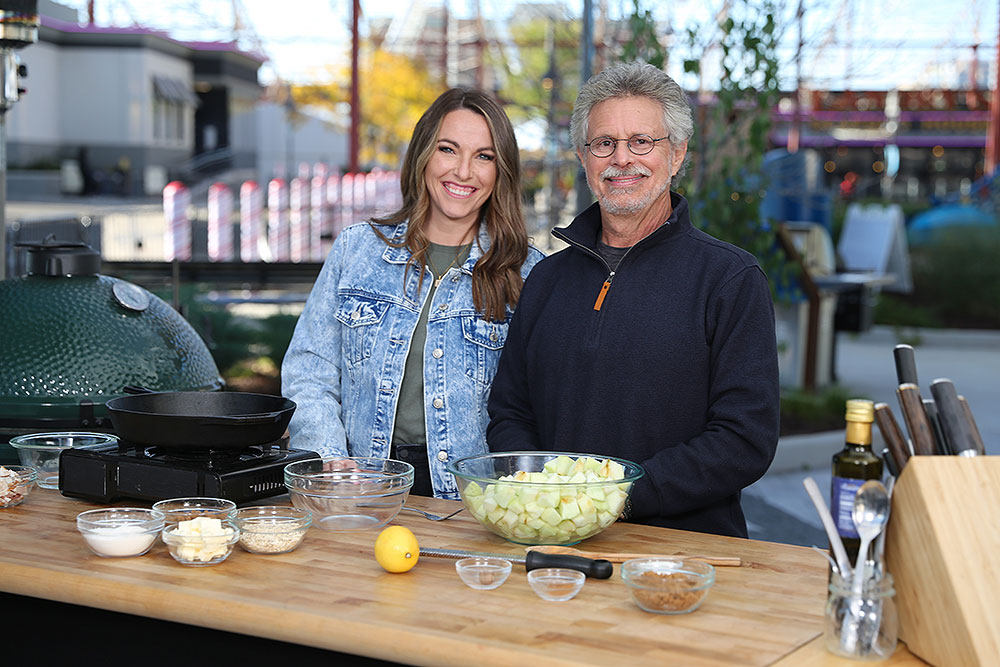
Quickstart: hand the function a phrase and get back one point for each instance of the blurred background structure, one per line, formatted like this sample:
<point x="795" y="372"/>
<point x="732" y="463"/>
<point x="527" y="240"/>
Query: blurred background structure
<point x="850" y="145"/>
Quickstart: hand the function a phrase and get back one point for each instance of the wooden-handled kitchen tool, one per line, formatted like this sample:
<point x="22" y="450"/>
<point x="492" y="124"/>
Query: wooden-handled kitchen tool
<point x="953" y="420"/>
<point x="906" y="373"/>
<point x="906" y="364"/>
<point x="915" y="418"/>
<point x="940" y="439"/>
<point x="893" y="437"/>
<point x="616" y="557"/>
<point x="890" y="462"/>
<point x="972" y="424"/>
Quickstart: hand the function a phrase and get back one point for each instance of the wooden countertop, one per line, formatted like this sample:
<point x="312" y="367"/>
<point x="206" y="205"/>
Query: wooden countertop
<point x="330" y="593"/>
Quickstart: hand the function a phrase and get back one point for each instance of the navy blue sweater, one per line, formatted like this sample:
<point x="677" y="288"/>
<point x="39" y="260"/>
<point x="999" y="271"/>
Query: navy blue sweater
<point x="677" y="371"/>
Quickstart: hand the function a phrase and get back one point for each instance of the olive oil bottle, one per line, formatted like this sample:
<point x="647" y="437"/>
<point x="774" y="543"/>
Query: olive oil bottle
<point x="853" y="466"/>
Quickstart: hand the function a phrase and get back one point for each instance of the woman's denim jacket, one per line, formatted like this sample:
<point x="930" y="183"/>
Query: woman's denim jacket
<point x="345" y="362"/>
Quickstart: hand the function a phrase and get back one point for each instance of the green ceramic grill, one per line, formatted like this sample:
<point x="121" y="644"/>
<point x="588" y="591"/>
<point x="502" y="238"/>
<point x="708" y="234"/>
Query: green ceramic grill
<point x="71" y="339"/>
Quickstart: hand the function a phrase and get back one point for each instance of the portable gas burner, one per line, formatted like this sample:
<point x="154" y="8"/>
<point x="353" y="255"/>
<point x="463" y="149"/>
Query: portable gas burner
<point x="153" y="473"/>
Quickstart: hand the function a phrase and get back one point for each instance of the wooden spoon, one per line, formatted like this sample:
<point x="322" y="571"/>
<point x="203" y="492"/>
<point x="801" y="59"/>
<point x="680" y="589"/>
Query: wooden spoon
<point x="614" y="557"/>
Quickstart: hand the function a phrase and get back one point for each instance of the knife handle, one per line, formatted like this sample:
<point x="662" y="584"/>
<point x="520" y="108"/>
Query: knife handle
<point x="595" y="569"/>
<point x="890" y="462"/>
<point x="940" y="439"/>
<point x="915" y="418"/>
<point x="892" y="435"/>
<point x="953" y="419"/>
<point x="977" y="438"/>
<point x="906" y="364"/>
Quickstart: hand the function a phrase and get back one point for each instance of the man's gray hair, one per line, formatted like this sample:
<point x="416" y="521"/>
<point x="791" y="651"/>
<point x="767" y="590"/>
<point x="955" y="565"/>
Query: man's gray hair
<point x="633" y="80"/>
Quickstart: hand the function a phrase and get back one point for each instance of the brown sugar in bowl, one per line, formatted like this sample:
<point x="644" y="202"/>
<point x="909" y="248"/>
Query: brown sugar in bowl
<point x="668" y="585"/>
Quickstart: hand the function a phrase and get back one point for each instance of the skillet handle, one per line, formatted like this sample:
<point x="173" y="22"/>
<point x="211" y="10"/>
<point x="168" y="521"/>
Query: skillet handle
<point x="136" y="390"/>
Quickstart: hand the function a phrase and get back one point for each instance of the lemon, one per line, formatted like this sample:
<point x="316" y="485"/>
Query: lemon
<point x="396" y="549"/>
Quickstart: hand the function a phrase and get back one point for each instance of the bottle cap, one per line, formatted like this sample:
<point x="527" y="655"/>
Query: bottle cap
<point x="860" y="410"/>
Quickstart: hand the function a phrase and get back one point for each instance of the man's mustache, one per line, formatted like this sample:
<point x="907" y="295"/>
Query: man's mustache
<point x="617" y="172"/>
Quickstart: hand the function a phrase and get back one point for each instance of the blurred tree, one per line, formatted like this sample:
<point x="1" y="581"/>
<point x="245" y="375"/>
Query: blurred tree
<point x="732" y="126"/>
<point x="541" y="43"/>
<point x="395" y="91"/>
<point x="643" y="45"/>
<point x="731" y="122"/>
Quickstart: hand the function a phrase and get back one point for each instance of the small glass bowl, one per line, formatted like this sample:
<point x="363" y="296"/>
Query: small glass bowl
<point x="184" y="509"/>
<point x="120" y="532"/>
<point x="272" y="529"/>
<point x="41" y="451"/>
<point x="201" y="550"/>
<point x="483" y="574"/>
<point x="555" y="583"/>
<point x="15" y="484"/>
<point x="668" y="585"/>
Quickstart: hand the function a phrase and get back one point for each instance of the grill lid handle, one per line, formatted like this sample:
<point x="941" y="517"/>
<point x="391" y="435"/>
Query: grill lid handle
<point x="54" y="258"/>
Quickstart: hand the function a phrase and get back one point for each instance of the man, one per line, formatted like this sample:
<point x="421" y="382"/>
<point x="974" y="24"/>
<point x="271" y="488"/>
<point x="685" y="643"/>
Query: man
<point x="646" y="338"/>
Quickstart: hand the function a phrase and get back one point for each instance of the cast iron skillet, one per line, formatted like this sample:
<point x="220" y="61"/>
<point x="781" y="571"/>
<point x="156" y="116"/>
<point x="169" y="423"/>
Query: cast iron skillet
<point x="197" y="420"/>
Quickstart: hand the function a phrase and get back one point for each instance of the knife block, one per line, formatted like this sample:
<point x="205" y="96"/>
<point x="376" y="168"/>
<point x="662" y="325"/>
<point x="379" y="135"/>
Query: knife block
<point x="941" y="548"/>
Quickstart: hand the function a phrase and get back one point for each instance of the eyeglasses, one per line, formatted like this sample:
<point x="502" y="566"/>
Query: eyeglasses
<point x="639" y="144"/>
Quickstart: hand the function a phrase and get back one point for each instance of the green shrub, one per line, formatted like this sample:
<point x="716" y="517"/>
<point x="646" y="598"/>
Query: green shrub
<point x="956" y="283"/>
<point x="811" y="412"/>
<point x="899" y="311"/>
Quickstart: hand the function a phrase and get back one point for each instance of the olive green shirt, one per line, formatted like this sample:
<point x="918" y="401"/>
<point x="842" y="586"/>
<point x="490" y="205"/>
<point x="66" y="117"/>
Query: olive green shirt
<point x="410" y="427"/>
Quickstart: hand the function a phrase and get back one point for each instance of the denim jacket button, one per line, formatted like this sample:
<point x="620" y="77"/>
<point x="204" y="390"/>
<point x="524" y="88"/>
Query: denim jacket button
<point x="438" y="403"/>
<point x="494" y="336"/>
<point x="355" y="315"/>
<point x="442" y="456"/>
<point x="443" y="306"/>
<point x="437" y="353"/>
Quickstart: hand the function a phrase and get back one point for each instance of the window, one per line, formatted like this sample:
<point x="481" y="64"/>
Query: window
<point x="171" y="98"/>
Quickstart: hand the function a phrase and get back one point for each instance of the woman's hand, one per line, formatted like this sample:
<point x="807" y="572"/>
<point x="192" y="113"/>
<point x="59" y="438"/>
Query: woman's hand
<point x="338" y="465"/>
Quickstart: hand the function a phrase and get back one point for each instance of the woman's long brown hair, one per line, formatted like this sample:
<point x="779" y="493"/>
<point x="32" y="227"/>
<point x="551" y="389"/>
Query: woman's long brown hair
<point x="496" y="278"/>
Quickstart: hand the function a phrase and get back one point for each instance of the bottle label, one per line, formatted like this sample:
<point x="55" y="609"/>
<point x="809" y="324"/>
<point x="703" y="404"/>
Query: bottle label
<point x="844" y="490"/>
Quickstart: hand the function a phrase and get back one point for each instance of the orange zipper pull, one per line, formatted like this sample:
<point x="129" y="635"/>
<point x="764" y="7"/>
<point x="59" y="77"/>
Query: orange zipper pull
<point x="604" y="292"/>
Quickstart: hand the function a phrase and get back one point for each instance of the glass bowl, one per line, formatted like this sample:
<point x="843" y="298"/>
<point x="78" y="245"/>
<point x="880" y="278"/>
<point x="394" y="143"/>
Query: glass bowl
<point x="41" y="451"/>
<point x="183" y="509"/>
<point x="272" y="529"/>
<point x="555" y="583"/>
<point x="120" y="532"/>
<point x="483" y="573"/>
<point x="201" y="541"/>
<point x="349" y="493"/>
<point x="531" y="506"/>
<point x="16" y="482"/>
<point x="668" y="585"/>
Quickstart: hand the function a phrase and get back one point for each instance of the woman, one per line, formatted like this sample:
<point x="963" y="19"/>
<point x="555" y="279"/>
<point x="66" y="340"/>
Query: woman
<point x="396" y="349"/>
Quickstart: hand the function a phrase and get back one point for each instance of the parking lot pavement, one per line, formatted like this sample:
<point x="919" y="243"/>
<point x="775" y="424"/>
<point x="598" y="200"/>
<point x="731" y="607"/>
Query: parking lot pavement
<point x="777" y="507"/>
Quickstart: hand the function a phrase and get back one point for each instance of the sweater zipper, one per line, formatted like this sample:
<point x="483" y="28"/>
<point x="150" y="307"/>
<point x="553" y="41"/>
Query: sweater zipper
<point x="604" y="291"/>
<point x="611" y="274"/>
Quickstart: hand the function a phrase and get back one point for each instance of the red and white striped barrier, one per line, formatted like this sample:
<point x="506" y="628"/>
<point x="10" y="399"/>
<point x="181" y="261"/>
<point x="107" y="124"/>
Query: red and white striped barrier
<point x="299" y="200"/>
<point x="278" y="232"/>
<point x="333" y="203"/>
<point x="220" y="223"/>
<point x="347" y="200"/>
<point x="177" y="242"/>
<point x="251" y="221"/>
<point x="319" y="221"/>
<point x="360" y="193"/>
<point x="303" y="216"/>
